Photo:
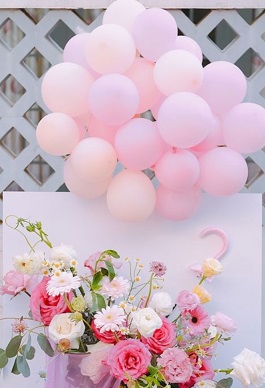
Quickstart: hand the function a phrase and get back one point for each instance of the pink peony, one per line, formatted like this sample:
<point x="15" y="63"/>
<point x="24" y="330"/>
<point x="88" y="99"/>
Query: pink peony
<point x="43" y="306"/>
<point x="176" y="365"/>
<point x="15" y="282"/>
<point x="187" y="300"/>
<point x="128" y="358"/>
<point x="197" y="320"/>
<point x="223" y="323"/>
<point x="162" y="338"/>
<point x="92" y="259"/>
<point x="202" y="370"/>
<point x="107" y="336"/>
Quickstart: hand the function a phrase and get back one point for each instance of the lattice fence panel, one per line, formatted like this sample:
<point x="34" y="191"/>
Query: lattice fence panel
<point x="29" y="45"/>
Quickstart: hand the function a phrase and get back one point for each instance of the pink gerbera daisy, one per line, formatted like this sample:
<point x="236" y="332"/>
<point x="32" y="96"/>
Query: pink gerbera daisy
<point x="197" y="320"/>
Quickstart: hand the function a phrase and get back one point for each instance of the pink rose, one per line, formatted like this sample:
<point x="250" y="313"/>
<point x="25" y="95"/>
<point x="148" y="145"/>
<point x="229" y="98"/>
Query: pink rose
<point x="176" y="365"/>
<point x="91" y="262"/>
<point x="128" y="358"/>
<point x="43" y="306"/>
<point x="187" y="300"/>
<point x="15" y="282"/>
<point x="162" y="338"/>
<point x="107" y="336"/>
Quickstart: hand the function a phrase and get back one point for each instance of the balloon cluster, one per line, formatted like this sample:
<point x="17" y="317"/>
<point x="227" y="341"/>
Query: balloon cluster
<point x="133" y="92"/>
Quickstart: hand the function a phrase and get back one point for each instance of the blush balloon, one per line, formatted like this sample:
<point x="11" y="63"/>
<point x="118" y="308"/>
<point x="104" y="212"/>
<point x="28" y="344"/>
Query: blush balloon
<point x="244" y="127"/>
<point x="188" y="44"/>
<point x="184" y="120"/>
<point x="96" y="128"/>
<point x="177" y="206"/>
<point x="113" y="99"/>
<point x="57" y="134"/>
<point x="110" y="49"/>
<point x="223" y="171"/>
<point x="123" y="13"/>
<point x="224" y="86"/>
<point x="81" y="188"/>
<point x="178" y="71"/>
<point x="138" y="144"/>
<point x="212" y="140"/>
<point x="154" y="31"/>
<point x="93" y="159"/>
<point x="65" y="88"/>
<point x="131" y="196"/>
<point x="177" y="170"/>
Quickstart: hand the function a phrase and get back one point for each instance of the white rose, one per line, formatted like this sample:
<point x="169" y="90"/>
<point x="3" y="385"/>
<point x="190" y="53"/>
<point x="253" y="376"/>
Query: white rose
<point x="162" y="303"/>
<point x="64" y="253"/>
<point x="249" y="368"/>
<point x="63" y="327"/>
<point x="92" y="365"/>
<point x="146" y="321"/>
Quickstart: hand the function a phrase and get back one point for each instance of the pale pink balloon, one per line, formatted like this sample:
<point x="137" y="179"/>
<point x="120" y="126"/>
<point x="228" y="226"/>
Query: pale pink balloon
<point x="74" y="51"/>
<point x="98" y="129"/>
<point x="57" y="134"/>
<point x="224" y="171"/>
<point x="188" y="44"/>
<point x="122" y="13"/>
<point x="113" y="99"/>
<point x="178" y="71"/>
<point x="177" y="206"/>
<point x="212" y="140"/>
<point x="244" y="127"/>
<point x="65" y="88"/>
<point x="224" y="86"/>
<point x="138" y="144"/>
<point x="93" y="159"/>
<point x="155" y="108"/>
<point x="81" y="188"/>
<point x="110" y="49"/>
<point x="184" y="120"/>
<point x="83" y="123"/>
<point x="177" y="170"/>
<point x="131" y="196"/>
<point x="154" y="31"/>
<point x="141" y="74"/>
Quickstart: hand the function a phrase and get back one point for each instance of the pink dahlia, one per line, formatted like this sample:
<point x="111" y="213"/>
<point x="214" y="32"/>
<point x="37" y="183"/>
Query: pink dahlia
<point x="176" y="365"/>
<point x="197" y="320"/>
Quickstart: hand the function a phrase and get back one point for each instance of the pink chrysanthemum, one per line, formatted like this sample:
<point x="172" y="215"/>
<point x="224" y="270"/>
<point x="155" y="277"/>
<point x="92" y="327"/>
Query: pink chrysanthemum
<point x="117" y="288"/>
<point x="158" y="268"/>
<point x="110" y="318"/>
<point x="197" y="320"/>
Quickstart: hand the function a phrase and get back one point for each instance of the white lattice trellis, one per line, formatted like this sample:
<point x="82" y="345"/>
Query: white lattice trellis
<point x="20" y="112"/>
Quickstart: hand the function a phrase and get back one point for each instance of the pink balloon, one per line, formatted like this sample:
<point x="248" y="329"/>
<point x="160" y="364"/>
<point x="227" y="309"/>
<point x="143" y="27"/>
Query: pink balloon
<point x="81" y="188"/>
<point x="141" y="74"/>
<point x="93" y="159"/>
<point x="155" y="108"/>
<point x="177" y="170"/>
<point x="83" y="123"/>
<point x="244" y="127"/>
<point x="224" y="86"/>
<point x="188" y="44"/>
<point x="131" y="196"/>
<point x="212" y="140"/>
<point x="178" y="71"/>
<point x="113" y="99"/>
<point x="65" y="88"/>
<point x="98" y="129"/>
<point x="122" y="13"/>
<point x="154" y="31"/>
<point x="138" y="144"/>
<point x="184" y="120"/>
<point x="223" y="171"/>
<point x="177" y="206"/>
<point x="57" y="134"/>
<point x="110" y="49"/>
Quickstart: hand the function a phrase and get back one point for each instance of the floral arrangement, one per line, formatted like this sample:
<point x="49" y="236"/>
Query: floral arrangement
<point x="128" y="329"/>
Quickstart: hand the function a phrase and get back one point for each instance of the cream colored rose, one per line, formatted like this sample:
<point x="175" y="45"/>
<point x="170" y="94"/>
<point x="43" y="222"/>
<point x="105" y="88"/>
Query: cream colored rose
<point x="146" y="321"/>
<point x="92" y="365"/>
<point x="63" y="327"/>
<point x="162" y="303"/>
<point x="202" y="293"/>
<point x="249" y="368"/>
<point x="211" y="267"/>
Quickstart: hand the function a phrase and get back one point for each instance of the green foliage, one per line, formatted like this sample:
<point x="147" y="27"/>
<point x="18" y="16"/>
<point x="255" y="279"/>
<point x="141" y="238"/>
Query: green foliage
<point x="45" y="345"/>
<point x="22" y="366"/>
<point x="225" y="383"/>
<point x="13" y="346"/>
<point x="3" y="358"/>
<point x="98" y="302"/>
<point x="112" y="253"/>
<point x="111" y="270"/>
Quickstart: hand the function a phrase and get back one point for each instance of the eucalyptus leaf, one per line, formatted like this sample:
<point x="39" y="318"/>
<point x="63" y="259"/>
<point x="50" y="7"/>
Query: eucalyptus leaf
<point x="45" y="345"/>
<point x="28" y="344"/>
<point x="28" y="354"/>
<point x="225" y="383"/>
<point x="23" y="366"/>
<point x="3" y="358"/>
<point x="13" y="346"/>
<point x="15" y="370"/>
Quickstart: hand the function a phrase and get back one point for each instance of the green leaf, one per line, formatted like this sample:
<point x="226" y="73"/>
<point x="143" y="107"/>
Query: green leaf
<point x="13" y="346"/>
<point x="45" y="345"/>
<point x="3" y="358"/>
<point x="29" y="354"/>
<point x="23" y="366"/>
<point x="96" y="279"/>
<point x="152" y="369"/>
<point x="15" y="370"/>
<point x="98" y="302"/>
<point x="112" y="253"/>
<point x="111" y="270"/>
<point x="28" y="344"/>
<point x="225" y="383"/>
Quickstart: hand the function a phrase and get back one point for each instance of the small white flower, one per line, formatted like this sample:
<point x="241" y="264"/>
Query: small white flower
<point x="64" y="253"/>
<point x="205" y="384"/>
<point x="110" y="318"/>
<point x="65" y="282"/>
<point x="29" y="264"/>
